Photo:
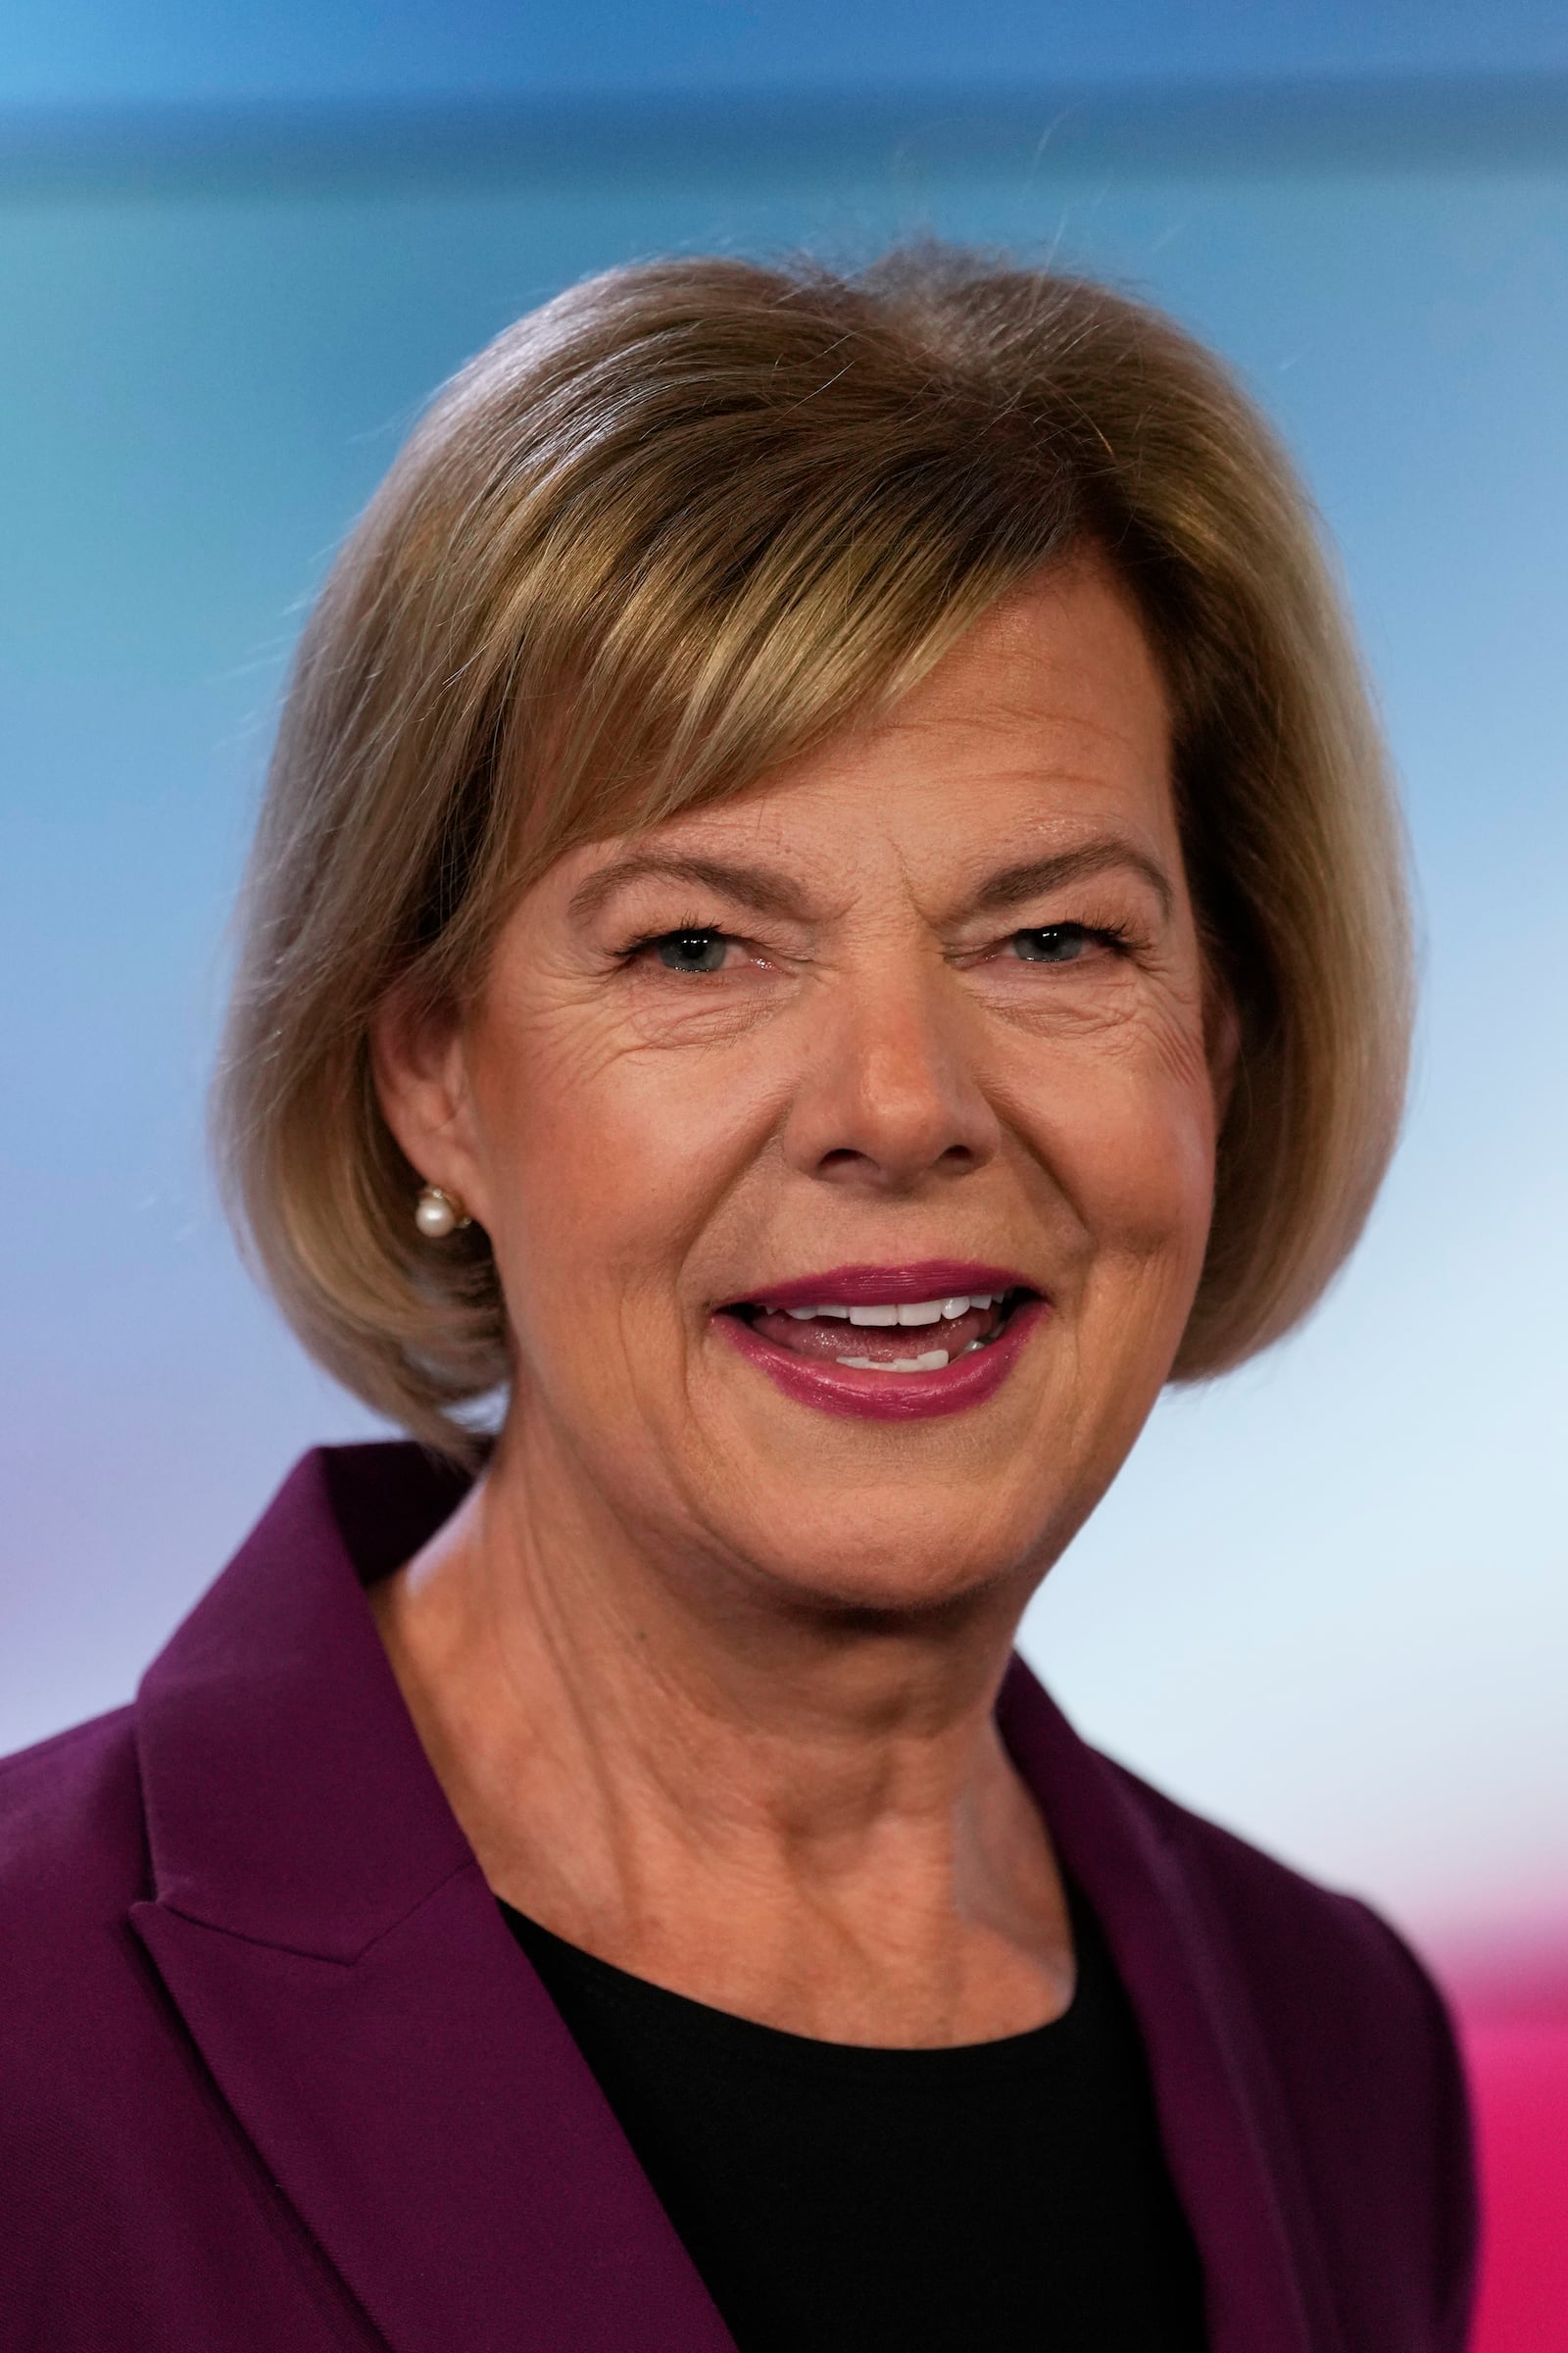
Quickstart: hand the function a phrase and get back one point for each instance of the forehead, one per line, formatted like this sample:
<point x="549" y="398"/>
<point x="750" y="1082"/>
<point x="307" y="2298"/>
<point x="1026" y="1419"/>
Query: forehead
<point x="1049" y="716"/>
<point x="1043" y="730"/>
<point x="1067" y="650"/>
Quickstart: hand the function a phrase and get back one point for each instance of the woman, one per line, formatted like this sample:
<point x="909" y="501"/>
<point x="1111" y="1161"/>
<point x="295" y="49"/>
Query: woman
<point x="828" y="918"/>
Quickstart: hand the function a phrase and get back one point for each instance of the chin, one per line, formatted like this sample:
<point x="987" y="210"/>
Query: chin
<point x="901" y="1558"/>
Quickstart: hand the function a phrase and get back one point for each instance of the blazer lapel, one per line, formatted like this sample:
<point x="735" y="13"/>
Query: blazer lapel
<point x="321" y="1924"/>
<point x="1229" y="2152"/>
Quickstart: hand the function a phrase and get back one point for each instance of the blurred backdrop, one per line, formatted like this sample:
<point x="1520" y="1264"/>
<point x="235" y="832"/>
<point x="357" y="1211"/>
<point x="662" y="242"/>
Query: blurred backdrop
<point x="1328" y="1601"/>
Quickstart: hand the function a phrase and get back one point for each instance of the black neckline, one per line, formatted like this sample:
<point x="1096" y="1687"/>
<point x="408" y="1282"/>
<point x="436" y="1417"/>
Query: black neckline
<point x="701" y="2024"/>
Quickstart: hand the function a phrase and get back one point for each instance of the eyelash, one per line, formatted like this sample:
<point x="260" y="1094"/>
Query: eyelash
<point x="670" y="931"/>
<point x="1115" y="936"/>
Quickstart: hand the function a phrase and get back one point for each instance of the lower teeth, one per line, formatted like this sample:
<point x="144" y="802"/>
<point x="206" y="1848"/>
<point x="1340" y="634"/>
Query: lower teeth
<point x="936" y="1360"/>
<point x="933" y="1361"/>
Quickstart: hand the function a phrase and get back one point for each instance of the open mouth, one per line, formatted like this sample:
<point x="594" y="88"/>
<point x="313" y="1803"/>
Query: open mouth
<point x="893" y="1343"/>
<point x="885" y="1336"/>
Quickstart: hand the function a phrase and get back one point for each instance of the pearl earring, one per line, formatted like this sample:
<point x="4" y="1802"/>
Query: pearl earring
<point x="438" y="1214"/>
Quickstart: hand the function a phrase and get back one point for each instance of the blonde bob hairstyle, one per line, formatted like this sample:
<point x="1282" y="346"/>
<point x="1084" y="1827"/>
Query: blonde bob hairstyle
<point x="673" y="531"/>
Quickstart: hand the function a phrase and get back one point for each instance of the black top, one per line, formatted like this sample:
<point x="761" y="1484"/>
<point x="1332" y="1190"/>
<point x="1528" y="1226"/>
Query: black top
<point x="835" y="2198"/>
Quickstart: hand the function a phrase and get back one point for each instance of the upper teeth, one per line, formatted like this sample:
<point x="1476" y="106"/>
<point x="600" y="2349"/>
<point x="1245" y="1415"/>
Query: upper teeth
<point x="917" y="1311"/>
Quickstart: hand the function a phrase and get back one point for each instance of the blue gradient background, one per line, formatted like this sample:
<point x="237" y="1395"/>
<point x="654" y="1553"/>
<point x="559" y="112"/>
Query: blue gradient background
<point x="1328" y="1601"/>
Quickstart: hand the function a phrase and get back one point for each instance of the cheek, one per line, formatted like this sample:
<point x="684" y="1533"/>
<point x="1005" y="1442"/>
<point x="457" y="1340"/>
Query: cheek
<point x="604" y="1164"/>
<point x="1129" y="1136"/>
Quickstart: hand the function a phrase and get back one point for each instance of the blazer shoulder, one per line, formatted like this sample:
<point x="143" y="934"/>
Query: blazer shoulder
<point x="73" y="1836"/>
<point x="1321" y="1945"/>
<point x="1362" y="2063"/>
<point x="74" y="2000"/>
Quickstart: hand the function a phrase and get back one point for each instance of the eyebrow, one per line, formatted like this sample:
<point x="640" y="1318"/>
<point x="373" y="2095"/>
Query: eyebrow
<point x="754" y="886"/>
<point x="1015" y="885"/>
<point x="770" y="894"/>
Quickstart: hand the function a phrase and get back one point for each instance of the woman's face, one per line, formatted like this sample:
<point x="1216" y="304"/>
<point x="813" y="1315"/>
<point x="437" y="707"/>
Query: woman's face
<point x="914" y="1035"/>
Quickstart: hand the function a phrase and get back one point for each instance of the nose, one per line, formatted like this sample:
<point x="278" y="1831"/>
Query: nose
<point x="890" y="1099"/>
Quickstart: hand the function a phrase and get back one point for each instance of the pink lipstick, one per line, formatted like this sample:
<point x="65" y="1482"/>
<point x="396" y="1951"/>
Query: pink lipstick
<point x="889" y="1343"/>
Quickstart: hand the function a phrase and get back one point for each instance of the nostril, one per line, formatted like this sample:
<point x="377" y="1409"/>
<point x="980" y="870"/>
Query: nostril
<point x="957" y="1159"/>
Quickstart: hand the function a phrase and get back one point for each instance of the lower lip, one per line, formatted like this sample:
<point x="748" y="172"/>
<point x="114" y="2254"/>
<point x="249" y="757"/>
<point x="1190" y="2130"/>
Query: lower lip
<point x="891" y="1397"/>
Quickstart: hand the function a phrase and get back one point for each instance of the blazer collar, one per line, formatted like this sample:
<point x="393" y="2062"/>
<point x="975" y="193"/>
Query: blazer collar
<point x="1230" y="2150"/>
<point x="320" y="1922"/>
<point x="287" y="1797"/>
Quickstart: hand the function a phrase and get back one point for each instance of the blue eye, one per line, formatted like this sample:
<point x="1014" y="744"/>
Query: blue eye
<point x="1051" y="944"/>
<point x="692" y="951"/>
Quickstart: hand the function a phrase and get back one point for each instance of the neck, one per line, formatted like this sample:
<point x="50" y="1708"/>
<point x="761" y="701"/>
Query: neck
<point x="800" y="1814"/>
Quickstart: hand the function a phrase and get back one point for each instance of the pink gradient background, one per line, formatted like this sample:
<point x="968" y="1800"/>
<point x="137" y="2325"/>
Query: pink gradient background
<point x="1515" y="2038"/>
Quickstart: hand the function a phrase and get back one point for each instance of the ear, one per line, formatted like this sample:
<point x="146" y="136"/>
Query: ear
<point x="420" y="1070"/>
<point x="1222" y="1044"/>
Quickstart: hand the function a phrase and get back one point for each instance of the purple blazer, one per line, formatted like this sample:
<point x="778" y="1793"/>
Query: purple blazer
<point x="275" y="2077"/>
